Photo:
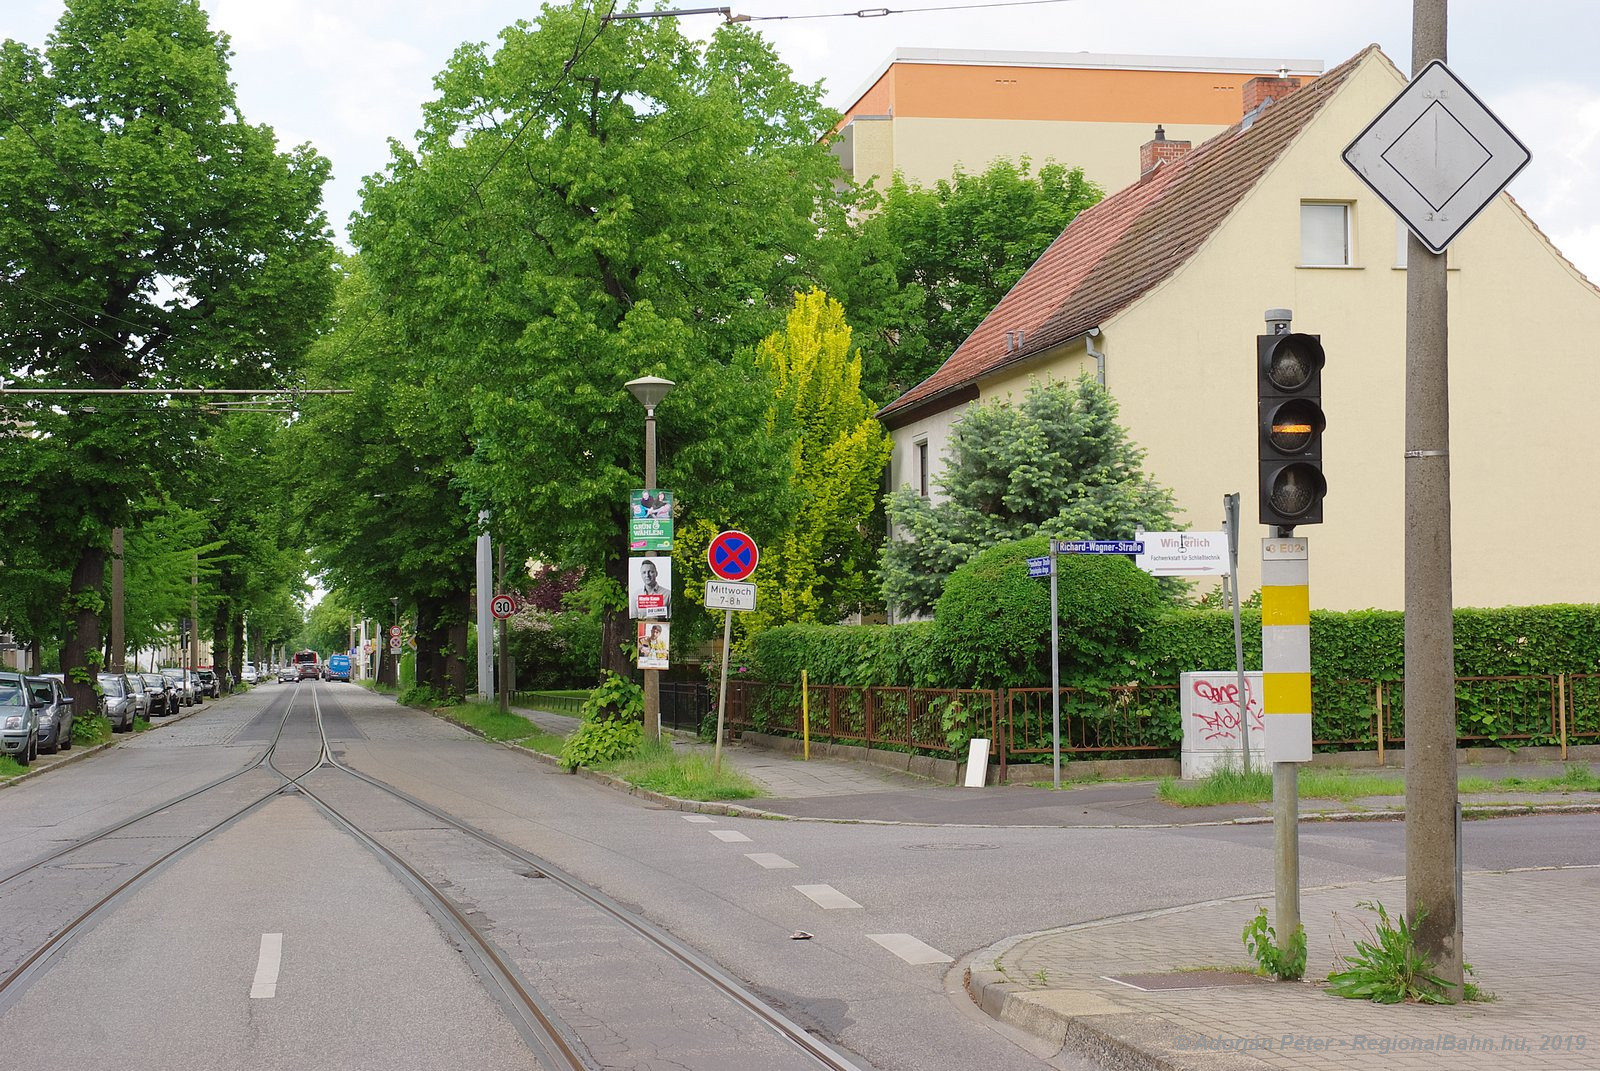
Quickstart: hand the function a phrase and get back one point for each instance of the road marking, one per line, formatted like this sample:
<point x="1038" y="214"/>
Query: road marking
<point x="266" y="982"/>
<point x="728" y="835"/>
<point x="698" y="818"/>
<point x="770" y="861"/>
<point x="826" y="896"/>
<point x="909" y="948"/>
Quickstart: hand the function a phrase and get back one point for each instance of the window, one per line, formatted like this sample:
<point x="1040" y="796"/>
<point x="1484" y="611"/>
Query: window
<point x="1324" y="235"/>
<point x="922" y="467"/>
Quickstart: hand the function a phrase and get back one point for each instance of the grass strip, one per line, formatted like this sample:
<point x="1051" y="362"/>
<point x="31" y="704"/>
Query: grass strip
<point x="1574" y="779"/>
<point x="684" y="775"/>
<point x="10" y="767"/>
<point x="1234" y="786"/>
<point x="487" y="719"/>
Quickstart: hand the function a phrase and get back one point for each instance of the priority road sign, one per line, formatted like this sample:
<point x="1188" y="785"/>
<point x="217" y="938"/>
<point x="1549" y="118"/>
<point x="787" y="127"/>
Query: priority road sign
<point x="732" y="555"/>
<point x="503" y="606"/>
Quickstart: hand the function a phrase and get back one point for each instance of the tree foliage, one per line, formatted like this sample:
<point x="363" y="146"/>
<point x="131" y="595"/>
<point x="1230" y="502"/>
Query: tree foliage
<point x="821" y="568"/>
<point x="930" y="262"/>
<point x="1055" y="463"/>
<point x="585" y="206"/>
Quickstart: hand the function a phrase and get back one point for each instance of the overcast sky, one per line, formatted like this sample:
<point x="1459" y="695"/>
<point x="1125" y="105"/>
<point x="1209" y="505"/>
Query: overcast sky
<point x="346" y="75"/>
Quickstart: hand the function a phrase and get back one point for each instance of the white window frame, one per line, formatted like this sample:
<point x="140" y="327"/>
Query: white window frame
<point x="1315" y="260"/>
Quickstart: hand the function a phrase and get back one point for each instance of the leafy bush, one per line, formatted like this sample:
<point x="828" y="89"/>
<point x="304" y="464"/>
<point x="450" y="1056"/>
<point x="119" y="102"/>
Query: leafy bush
<point x="1388" y="968"/>
<point x="612" y="728"/>
<point x="420" y="695"/>
<point x="847" y="654"/>
<point x="91" y="729"/>
<point x="555" y="650"/>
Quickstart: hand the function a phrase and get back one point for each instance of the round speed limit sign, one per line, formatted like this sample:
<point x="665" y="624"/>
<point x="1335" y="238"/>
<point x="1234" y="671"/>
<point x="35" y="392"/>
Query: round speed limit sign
<point x="503" y="606"/>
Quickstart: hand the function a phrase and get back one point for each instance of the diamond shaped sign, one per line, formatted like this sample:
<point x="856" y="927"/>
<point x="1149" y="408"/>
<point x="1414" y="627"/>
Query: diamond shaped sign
<point x="1436" y="156"/>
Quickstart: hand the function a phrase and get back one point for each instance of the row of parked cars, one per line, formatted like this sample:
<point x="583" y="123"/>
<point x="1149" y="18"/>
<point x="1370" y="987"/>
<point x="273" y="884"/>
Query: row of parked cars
<point x="36" y="713"/>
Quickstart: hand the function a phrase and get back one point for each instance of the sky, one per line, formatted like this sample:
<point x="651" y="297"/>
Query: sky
<point x="347" y="75"/>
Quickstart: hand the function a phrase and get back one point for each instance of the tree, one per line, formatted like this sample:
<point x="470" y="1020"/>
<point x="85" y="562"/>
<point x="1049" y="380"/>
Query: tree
<point x="929" y="263"/>
<point x="585" y="206"/>
<point x="1057" y="463"/>
<point x="821" y="568"/>
<point x="152" y="238"/>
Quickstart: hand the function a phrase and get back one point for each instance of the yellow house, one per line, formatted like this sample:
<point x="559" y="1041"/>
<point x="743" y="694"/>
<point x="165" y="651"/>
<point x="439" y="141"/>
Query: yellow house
<point x="925" y="112"/>
<point x="1161" y="289"/>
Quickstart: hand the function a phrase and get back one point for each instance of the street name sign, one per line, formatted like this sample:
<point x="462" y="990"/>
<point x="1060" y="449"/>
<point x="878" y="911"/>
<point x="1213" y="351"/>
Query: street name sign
<point x="1096" y="546"/>
<point x="1039" y="566"/>
<point x="1436" y="156"/>
<point x="727" y="595"/>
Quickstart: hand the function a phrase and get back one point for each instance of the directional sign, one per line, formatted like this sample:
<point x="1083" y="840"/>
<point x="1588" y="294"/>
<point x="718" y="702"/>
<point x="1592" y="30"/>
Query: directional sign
<point x="1097" y="546"/>
<point x="732" y="555"/>
<point x="725" y="595"/>
<point x="1184" y="554"/>
<point x="503" y="606"/>
<point x="1039" y="566"/>
<point x="1437" y="156"/>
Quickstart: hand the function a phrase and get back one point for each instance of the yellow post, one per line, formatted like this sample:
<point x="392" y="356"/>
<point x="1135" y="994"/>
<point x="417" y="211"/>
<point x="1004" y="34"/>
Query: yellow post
<point x="805" y="713"/>
<point x="1561" y="712"/>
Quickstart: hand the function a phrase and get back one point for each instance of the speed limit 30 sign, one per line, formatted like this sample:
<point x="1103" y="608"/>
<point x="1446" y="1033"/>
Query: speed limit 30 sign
<point x="503" y="606"/>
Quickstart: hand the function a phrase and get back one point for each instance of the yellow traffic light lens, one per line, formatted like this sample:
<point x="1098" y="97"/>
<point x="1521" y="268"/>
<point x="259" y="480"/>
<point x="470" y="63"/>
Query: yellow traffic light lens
<point x="1294" y="425"/>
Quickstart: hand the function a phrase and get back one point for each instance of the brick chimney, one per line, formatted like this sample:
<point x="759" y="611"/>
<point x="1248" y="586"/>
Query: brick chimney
<point x="1159" y="150"/>
<point x="1258" y="91"/>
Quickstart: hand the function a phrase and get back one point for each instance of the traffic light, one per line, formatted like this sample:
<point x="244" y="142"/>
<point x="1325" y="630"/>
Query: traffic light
<point x="1289" y="393"/>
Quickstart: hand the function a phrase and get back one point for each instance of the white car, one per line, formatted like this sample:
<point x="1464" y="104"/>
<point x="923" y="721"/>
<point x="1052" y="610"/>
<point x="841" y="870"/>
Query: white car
<point x="249" y="674"/>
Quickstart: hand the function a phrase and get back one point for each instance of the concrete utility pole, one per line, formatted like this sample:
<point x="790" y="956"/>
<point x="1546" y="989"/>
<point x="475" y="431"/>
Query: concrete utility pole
<point x="485" y="618"/>
<point x="649" y="390"/>
<point x="194" y="620"/>
<point x="1433" y="846"/>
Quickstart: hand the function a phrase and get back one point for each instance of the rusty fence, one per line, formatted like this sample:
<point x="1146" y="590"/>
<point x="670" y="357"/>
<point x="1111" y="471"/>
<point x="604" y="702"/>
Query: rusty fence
<point x="1145" y="720"/>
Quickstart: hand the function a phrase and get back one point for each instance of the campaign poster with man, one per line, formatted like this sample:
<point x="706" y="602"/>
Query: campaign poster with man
<point x="650" y="588"/>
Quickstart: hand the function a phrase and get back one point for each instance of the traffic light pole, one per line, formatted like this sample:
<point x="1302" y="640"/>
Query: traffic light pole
<point x="1433" y="845"/>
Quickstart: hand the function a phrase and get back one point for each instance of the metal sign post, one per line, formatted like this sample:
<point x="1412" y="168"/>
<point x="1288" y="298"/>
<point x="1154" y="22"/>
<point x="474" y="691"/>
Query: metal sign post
<point x="732" y="556"/>
<point x="1055" y="680"/>
<point x="1230" y="525"/>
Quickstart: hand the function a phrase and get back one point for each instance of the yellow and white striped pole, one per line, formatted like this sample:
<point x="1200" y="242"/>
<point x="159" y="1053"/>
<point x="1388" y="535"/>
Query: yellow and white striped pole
<point x="1286" y="707"/>
<point x="1286" y="648"/>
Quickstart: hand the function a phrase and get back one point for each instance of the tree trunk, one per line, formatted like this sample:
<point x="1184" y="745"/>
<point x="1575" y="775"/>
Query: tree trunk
<point x="236" y="649"/>
<point x="80" y="655"/>
<point x="220" y="652"/>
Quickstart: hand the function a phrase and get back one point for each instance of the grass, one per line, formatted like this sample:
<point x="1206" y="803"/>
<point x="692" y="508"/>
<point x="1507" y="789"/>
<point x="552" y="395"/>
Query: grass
<point x="510" y="728"/>
<point x="558" y="701"/>
<point x="658" y="768"/>
<point x="1575" y="779"/>
<point x="9" y="767"/>
<point x="1234" y="786"/>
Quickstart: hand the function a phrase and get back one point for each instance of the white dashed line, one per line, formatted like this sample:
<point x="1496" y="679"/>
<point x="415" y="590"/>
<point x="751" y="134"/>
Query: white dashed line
<point x="826" y="896"/>
<point x="770" y="861"/>
<point x="698" y="818"/>
<point x="909" y="948"/>
<point x="267" y="963"/>
<point x="729" y="835"/>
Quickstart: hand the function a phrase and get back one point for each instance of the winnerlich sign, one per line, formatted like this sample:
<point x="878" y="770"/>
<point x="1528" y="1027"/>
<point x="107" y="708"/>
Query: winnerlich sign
<point x="1184" y="553"/>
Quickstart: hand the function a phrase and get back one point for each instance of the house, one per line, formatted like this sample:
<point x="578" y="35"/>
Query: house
<point x="1161" y="289"/>
<point x="925" y="112"/>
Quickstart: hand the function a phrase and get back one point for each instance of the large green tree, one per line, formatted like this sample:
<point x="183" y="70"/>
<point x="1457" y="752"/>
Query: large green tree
<point x="152" y="238"/>
<point x="929" y="262"/>
<point x="588" y="204"/>
<point x="1056" y="463"/>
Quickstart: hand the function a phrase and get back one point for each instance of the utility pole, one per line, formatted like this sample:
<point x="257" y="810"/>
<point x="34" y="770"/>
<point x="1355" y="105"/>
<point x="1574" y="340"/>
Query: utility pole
<point x="505" y="636"/>
<point x="194" y="622"/>
<point x="1433" y="845"/>
<point x="485" y="577"/>
<point x="119" y="654"/>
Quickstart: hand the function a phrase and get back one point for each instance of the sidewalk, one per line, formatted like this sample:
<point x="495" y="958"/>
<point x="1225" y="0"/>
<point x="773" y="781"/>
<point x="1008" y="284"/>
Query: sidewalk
<point x="1174" y="990"/>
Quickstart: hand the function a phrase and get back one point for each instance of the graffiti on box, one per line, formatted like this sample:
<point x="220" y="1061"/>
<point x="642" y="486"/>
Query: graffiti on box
<point x="1214" y="708"/>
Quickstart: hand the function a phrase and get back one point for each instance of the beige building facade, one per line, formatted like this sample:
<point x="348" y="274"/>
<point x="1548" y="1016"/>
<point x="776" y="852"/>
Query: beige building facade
<point x="926" y="112"/>
<point x="1163" y="290"/>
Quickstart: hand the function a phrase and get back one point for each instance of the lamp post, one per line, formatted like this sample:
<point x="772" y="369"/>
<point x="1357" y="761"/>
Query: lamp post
<point x="649" y="390"/>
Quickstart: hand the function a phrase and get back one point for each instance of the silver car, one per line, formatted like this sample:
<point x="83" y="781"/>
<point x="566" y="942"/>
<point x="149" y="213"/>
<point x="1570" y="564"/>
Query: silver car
<point x="119" y="701"/>
<point x="19" y="719"/>
<point x="55" y="713"/>
<point x="185" y="689"/>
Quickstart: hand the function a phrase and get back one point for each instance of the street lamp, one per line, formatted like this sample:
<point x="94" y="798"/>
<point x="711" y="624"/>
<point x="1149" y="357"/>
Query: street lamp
<point x="649" y="390"/>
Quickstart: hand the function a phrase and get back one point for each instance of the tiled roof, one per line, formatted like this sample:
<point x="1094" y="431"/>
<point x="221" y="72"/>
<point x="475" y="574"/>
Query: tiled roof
<point x="1115" y="252"/>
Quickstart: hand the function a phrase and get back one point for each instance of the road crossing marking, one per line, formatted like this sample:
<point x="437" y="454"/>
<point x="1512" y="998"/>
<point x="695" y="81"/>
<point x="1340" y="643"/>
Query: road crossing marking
<point x="698" y="818"/>
<point x="909" y="948"/>
<point x="729" y="835"/>
<point x="826" y="896"/>
<point x="267" y="963"/>
<point x="770" y="861"/>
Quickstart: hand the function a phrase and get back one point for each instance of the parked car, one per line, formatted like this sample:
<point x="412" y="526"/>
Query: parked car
<point x="118" y="701"/>
<point x="185" y="687"/>
<point x="248" y="674"/>
<point x="210" y="683"/>
<point x="19" y="720"/>
<point x="160" y="690"/>
<point x="54" y="713"/>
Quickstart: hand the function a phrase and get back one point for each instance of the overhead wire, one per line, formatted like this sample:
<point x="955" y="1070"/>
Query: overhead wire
<point x="882" y="12"/>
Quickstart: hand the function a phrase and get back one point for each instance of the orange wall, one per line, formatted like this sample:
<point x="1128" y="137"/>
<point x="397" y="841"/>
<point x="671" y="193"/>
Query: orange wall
<point x="1055" y="93"/>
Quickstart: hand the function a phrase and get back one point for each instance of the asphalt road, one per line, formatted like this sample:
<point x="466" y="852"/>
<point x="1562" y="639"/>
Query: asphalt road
<point x="366" y="978"/>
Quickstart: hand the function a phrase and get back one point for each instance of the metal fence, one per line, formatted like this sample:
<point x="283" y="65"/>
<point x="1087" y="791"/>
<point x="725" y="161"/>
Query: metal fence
<point x="938" y="720"/>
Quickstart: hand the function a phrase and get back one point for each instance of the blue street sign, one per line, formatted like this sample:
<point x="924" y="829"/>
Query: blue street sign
<point x="1039" y="566"/>
<point x="1097" y="546"/>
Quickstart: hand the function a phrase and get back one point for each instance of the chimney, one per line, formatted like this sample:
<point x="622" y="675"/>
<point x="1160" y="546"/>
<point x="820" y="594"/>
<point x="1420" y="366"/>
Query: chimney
<point x="1159" y="150"/>
<point x="1259" y="91"/>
